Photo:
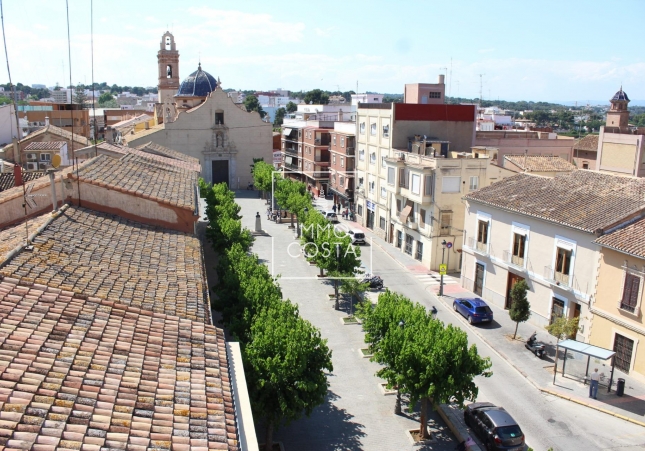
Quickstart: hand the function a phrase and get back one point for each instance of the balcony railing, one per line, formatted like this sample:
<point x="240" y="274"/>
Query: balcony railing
<point x="291" y="150"/>
<point x="513" y="260"/>
<point x="557" y="278"/>
<point x="321" y="158"/>
<point x="411" y="223"/>
<point x="350" y="151"/>
<point x="293" y="166"/>
<point x="478" y="246"/>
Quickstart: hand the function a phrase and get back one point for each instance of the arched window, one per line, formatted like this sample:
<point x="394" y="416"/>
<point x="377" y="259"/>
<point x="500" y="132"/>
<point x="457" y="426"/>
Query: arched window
<point x="168" y="71"/>
<point x="168" y="45"/>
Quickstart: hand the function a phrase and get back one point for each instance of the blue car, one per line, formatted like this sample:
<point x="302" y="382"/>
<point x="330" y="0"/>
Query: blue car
<point x="476" y="310"/>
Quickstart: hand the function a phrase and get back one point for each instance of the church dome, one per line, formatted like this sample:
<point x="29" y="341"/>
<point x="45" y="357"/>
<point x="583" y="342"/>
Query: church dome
<point x="198" y="84"/>
<point x="621" y="95"/>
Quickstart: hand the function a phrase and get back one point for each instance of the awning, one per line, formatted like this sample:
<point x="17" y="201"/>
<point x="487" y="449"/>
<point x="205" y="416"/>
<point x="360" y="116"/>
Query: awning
<point x="287" y="131"/>
<point x="587" y="349"/>
<point x="403" y="217"/>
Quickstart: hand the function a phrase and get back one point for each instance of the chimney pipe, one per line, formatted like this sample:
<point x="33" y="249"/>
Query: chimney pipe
<point x="46" y="121"/>
<point x="17" y="175"/>
<point x="442" y="79"/>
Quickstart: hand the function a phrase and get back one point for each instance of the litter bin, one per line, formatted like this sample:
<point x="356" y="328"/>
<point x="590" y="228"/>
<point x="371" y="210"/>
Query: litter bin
<point x="620" y="387"/>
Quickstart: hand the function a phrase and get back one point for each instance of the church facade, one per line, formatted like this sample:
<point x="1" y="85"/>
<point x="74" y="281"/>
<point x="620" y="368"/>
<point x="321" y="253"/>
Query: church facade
<point x="201" y="121"/>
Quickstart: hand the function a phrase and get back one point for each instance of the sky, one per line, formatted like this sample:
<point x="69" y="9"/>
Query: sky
<point x="562" y="51"/>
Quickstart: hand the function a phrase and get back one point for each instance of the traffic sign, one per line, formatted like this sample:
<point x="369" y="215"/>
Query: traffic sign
<point x="448" y="244"/>
<point x="443" y="270"/>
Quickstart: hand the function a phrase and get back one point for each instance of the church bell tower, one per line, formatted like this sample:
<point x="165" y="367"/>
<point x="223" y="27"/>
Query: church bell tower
<point x="618" y="114"/>
<point x="168" y="61"/>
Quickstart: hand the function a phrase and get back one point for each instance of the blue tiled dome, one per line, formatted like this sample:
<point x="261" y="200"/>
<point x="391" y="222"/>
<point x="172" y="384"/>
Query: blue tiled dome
<point x="198" y="84"/>
<point x="621" y="95"/>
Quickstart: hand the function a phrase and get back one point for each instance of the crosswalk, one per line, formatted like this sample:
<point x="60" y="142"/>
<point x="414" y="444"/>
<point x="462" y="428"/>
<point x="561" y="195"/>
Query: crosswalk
<point x="435" y="279"/>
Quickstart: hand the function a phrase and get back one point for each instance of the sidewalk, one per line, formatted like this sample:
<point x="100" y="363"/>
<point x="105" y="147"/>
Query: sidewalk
<point x="539" y="372"/>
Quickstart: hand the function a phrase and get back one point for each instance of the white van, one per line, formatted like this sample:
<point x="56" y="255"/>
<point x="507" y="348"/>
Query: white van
<point x="357" y="236"/>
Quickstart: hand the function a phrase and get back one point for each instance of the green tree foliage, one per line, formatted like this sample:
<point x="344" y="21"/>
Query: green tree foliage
<point x="263" y="175"/>
<point x="541" y="117"/>
<point x="79" y="95"/>
<point x="105" y="97"/>
<point x="251" y="103"/>
<point x="279" y="117"/>
<point x="563" y="327"/>
<point x="286" y="361"/>
<point x="317" y="97"/>
<point x="291" y="107"/>
<point x="293" y="197"/>
<point x="5" y="100"/>
<point x="638" y="120"/>
<point x="520" y="310"/>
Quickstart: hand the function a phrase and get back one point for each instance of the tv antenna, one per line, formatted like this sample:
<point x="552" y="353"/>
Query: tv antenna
<point x="480" y="89"/>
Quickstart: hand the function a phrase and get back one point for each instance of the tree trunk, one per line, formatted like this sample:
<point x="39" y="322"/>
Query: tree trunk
<point x="268" y="437"/>
<point x="423" y="430"/>
<point x="292" y="220"/>
<point x="321" y="272"/>
<point x="336" y="291"/>
<point x="397" y="406"/>
<point x="516" y="325"/>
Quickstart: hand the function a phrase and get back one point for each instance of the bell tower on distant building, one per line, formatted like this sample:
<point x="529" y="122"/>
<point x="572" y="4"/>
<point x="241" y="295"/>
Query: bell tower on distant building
<point x="168" y="61"/>
<point x="618" y="114"/>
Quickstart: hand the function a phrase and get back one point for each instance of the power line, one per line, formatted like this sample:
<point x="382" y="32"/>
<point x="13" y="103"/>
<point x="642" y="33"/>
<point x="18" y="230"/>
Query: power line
<point x="71" y="112"/>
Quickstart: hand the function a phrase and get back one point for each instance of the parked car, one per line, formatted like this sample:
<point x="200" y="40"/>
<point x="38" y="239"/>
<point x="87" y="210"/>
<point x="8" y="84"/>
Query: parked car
<point x="495" y="426"/>
<point x="476" y="310"/>
<point x="331" y="216"/>
<point x="357" y="236"/>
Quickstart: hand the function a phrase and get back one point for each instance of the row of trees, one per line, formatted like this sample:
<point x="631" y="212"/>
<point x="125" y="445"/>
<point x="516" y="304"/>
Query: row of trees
<point x="420" y="356"/>
<point x="285" y="358"/>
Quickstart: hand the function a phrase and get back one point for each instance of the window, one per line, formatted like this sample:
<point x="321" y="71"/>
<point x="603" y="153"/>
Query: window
<point x="419" y="253"/>
<point x="361" y="154"/>
<point x="519" y="243"/>
<point x="342" y="180"/>
<point x="45" y="157"/>
<point x="383" y="164"/>
<point x="416" y="184"/>
<point x="360" y="210"/>
<point x="422" y="218"/>
<point x="333" y="159"/>
<point x="333" y="178"/>
<point x="381" y="223"/>
<point x="383" y="192"/>
<point x="428" y="185"/>
<point x="398" y="207"/>
<point x="360" y="181"/>
<point x="408" y="244"/>
<point x="474" y="182"/>
<point x="372" y="186"/>
<point x="585" y="165"/>
<point x="404" y="178"/>
<point x="450" y="184"/>
<point x="333" y="140"/>
<point x="219" y="118"/>
<point x="399" y="239"/>
<point x="446" y="222"/>
<point x="631" y="290"/>
<point x="557" y="310"/>
<point x="624" y="347"/>
<point x="342" y="141"/>
<point x="482" y="235"/>
<point x="342" y="162"/>
<point x="390" y="176"/>
<point x="386" y="131"/>
<point x="373" y="129"/>
<point x="361" y="128"/>
<point x="563" y="265"/>
<point x="373" y="158"/>
<point x="434" y="95"/>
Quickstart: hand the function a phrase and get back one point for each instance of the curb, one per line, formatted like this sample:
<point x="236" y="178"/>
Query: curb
<point x="460" y="431"/>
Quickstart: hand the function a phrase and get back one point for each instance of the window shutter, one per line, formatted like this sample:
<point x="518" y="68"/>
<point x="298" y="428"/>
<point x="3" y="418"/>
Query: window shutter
<point x="422" y="217"/>
<point x="398" y="206"/>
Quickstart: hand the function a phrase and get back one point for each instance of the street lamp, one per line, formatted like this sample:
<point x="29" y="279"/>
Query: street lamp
<point x="397" y="405"/>
<point x="337" y="269"/>
<point x="443" y="254"/>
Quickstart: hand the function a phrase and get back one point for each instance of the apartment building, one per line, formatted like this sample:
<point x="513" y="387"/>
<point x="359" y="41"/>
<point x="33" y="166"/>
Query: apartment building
<point x="343" y="165"/>
<point x="37" y="156"/>
<point x="426" y="93"/>
<point x="316" y="158"/>
<point x="291" y="149"/>
<point x="543" y="230"/>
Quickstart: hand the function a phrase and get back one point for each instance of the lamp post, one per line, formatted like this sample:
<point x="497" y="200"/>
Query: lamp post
<point x="336" y="278"/>
<point x="443" y="254"/>
<point x="397" y="405"/>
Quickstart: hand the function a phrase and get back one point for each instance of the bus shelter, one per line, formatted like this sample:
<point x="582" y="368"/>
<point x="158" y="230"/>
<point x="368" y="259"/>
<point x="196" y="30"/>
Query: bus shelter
<point x="584" y="349"/>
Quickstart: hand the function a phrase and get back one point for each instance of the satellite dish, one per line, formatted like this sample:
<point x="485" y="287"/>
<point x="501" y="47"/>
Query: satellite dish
<point x="56" y="161"/>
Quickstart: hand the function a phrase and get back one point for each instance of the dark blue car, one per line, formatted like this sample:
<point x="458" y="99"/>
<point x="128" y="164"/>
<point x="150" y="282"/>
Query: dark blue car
<point x="476" y="310"/>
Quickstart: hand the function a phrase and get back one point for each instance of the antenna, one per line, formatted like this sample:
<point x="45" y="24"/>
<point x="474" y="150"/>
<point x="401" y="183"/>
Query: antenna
<point x="480" y="89"/>
<point x="450" y="80"/>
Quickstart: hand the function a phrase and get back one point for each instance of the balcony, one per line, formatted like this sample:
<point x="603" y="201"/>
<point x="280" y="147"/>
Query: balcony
<point x="514" y="260"/>
<point x="477" y="246"/>
<point x="350" y="151"/>
<point x="557" y="278"/>
<point x="412" y="224"/>
<point x="292" y="166"/>
<point x="291" y="150"/>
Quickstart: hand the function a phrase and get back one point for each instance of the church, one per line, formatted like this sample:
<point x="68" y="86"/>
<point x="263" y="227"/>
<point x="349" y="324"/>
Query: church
<point x="196" y="117"/>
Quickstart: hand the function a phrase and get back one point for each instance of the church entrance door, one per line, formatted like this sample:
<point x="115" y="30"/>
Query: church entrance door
<point x="220" y="171"/>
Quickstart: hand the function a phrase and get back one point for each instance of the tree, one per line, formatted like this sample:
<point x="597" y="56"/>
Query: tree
<point x="279" y="117"/>
<point x="251" y="103"/>
<point x="563" y="327"/>
<point x="317" y="97"/>
<point x="286" y="361"/>
<point x="291" y="107"/>
<point x="79" y="95"/>
<point x="263" y="175"/>
<point x="438" y="365"/>
<point x="105" y="97"/>
<point x="292" y="196"/>
<point x="541" y="117"/>
<point x="520" y="310"/>
<point x="352" y="287"/>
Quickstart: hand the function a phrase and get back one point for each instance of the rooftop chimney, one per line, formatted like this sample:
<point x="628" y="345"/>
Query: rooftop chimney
<point x="46" y="121"/>
<point x="442" y="79"/>
<point x="17" y="175"/>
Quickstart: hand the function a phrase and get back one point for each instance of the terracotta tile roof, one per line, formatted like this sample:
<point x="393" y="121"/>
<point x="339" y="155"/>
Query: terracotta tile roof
<point x="7" y="180"/>
<point x="132" y="121"/>
<point x="14" y="236"/>
<point x="629" y="239"/>
<point x="90" y="150"/>
<point x="91" y="374"/>
<point x="540" y="163"/>
<point x="115" y="149"/>
<point x="55" y="131"/>
<point x="589" y="142"/>
<point x="39" y="183"/>
<point x="44" y="145"/>
<point x="584" y="200"/>
<point x="142" y="177"/>
<point x="166" y="152"/>
<point x="97" y="254"/>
